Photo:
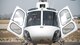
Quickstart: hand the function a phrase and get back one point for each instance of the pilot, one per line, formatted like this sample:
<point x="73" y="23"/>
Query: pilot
<point x="50" y="17"/>
<point x="34" y="17"/>
<point x="50" y="20"/>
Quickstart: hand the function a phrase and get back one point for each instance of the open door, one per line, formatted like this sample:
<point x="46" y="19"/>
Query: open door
<point x="67" y="24"/>
<point x="17" y="22"/>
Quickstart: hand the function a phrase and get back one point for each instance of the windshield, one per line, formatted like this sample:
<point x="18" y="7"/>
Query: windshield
<point x="49" y="18"/>
<point x="34" y="18"/>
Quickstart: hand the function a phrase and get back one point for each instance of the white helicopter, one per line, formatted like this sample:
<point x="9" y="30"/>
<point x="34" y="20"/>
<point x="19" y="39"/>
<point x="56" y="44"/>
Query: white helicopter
<point x="42" y="24"/>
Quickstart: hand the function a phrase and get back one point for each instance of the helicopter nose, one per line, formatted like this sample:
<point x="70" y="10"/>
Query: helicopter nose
<point x="40" y="32"/>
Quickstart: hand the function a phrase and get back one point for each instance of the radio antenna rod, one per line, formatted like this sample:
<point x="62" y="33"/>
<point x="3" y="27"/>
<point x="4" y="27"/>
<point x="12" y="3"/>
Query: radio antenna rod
<point x="42" y="0"/>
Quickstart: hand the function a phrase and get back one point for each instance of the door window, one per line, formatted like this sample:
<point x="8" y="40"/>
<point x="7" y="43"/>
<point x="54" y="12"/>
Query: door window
<point x="15" y="28"/>
<point x="65" y="16"/>
<point x="68" y="28"/>
<point x="19" y="16"/>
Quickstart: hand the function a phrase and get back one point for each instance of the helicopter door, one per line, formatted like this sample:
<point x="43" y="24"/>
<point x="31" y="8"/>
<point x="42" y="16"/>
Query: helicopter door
<point x="17" y="22"/>
<point x="67" y="24"/>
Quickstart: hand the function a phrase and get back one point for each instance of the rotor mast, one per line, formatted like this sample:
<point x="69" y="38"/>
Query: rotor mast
<point x="42" y="0"/>
<point x="42" y="3"/>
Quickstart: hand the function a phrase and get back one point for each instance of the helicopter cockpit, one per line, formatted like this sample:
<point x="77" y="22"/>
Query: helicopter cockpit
<point x="48" y="18"/>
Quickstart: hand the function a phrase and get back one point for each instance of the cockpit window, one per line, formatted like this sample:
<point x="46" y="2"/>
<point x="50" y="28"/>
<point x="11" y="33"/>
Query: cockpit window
<point x="34" y="18"/>
<point x="50" y="18"/>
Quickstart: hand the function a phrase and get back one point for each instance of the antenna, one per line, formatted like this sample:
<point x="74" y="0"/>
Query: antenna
<point x="42" y="0"/>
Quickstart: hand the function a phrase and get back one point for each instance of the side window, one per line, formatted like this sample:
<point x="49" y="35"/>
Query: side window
<point x="68" y="28"/>
<point x="19" y="17"/>
<point x="65" y="17"/>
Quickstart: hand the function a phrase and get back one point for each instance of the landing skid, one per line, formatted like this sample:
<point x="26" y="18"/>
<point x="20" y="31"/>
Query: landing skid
<point x="61" y="42"/>
<point x="36" y="44"/>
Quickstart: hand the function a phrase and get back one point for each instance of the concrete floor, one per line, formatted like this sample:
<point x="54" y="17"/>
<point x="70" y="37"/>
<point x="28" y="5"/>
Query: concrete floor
<point x="18" y="43"/>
